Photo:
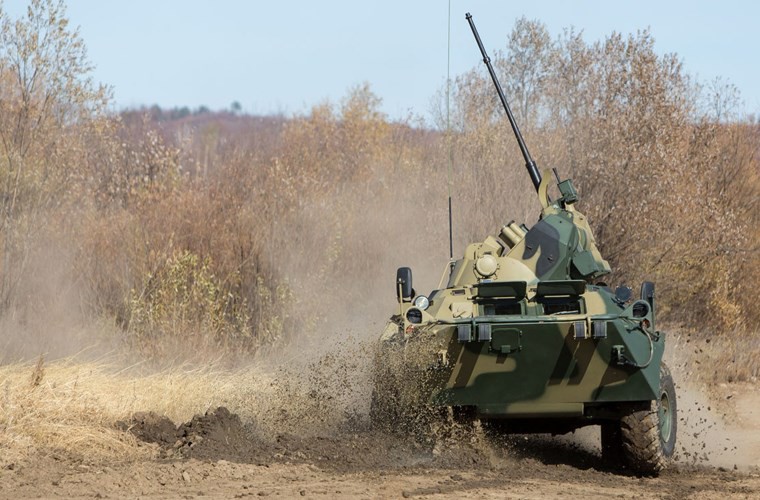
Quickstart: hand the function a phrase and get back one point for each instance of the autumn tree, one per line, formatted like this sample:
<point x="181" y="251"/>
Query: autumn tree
<point x="46" y="98"/>
<point x="662" y="172"/>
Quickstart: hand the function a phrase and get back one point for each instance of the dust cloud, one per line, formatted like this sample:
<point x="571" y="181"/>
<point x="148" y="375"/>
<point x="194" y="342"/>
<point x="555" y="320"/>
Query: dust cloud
<point x="50" y="317"/>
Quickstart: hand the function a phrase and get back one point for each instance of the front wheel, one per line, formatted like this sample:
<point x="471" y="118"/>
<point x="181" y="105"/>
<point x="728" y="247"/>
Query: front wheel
<point x="648" y="436"/>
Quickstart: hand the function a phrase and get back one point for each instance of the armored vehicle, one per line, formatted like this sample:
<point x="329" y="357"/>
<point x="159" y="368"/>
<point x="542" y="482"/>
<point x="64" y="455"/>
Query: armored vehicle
<point x="525" y="335"/>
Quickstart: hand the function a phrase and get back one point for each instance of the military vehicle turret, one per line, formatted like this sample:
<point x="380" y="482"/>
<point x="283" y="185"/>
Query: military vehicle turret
<point x="526" y="335"/>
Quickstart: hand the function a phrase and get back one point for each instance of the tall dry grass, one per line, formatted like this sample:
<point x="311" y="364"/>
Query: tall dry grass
<point x="72" y="408"/>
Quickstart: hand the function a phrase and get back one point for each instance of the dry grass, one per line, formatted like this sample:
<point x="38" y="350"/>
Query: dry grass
<point x="73" y="409"/>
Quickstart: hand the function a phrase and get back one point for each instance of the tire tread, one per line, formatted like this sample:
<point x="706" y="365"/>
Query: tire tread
<point x="640" y="434"/>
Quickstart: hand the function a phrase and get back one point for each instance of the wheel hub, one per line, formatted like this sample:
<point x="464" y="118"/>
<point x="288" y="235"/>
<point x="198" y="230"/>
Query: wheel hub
<point x="665" y="417"/>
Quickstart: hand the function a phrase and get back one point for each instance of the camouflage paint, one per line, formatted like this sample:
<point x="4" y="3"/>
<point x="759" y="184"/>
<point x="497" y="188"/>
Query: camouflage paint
<point x="556" y="339"/>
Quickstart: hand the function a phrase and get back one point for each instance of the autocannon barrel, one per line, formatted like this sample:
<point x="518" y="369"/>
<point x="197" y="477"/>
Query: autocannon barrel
<point x="530" y="165"/>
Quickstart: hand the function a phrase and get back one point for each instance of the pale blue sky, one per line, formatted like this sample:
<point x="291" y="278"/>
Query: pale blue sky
<point x="285" y="56"/>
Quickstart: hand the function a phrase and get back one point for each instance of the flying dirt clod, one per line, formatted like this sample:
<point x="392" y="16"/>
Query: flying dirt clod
<point x="526" y="337"/>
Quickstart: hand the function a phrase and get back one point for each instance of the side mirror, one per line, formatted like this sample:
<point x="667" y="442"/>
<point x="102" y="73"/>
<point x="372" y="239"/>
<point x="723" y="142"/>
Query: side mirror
<point x="647" y="292"/>
<point x="404" y="290"/>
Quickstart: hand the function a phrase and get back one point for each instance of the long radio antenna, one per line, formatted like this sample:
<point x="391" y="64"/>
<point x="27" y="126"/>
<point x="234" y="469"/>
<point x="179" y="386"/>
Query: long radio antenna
<point x="448" y="136"/>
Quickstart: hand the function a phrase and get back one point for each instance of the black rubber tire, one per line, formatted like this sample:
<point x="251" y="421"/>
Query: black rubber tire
<point x="649" y="435"/>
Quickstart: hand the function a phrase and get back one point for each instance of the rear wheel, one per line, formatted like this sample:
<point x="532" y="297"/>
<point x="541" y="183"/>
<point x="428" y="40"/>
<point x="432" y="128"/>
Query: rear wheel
<point x="648" y="436"/>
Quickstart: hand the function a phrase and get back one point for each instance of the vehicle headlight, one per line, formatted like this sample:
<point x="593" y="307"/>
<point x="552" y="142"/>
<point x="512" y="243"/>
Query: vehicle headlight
<point x="421" y="302"/>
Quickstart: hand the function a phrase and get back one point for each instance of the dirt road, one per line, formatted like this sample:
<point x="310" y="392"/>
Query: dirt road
<point x="223" y="479"/>
<point x="218" y="456"/>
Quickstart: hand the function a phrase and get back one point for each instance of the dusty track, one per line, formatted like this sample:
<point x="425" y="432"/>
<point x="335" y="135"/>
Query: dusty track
<point x="305" y="470"/>
<point x="218" y="456"/>
<point x="194" y="478"/>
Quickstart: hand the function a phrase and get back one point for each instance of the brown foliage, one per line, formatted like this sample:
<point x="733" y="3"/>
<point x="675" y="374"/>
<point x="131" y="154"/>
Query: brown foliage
<point x="670" y="187"/>
<point x="195" y="233"/>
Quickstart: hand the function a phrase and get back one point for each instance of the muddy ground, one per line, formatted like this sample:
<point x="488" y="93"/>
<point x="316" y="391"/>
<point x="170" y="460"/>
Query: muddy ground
<point x="218" y="455"/>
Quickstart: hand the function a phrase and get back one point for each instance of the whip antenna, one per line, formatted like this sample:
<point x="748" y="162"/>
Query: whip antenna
<point x="448" y="136"/>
